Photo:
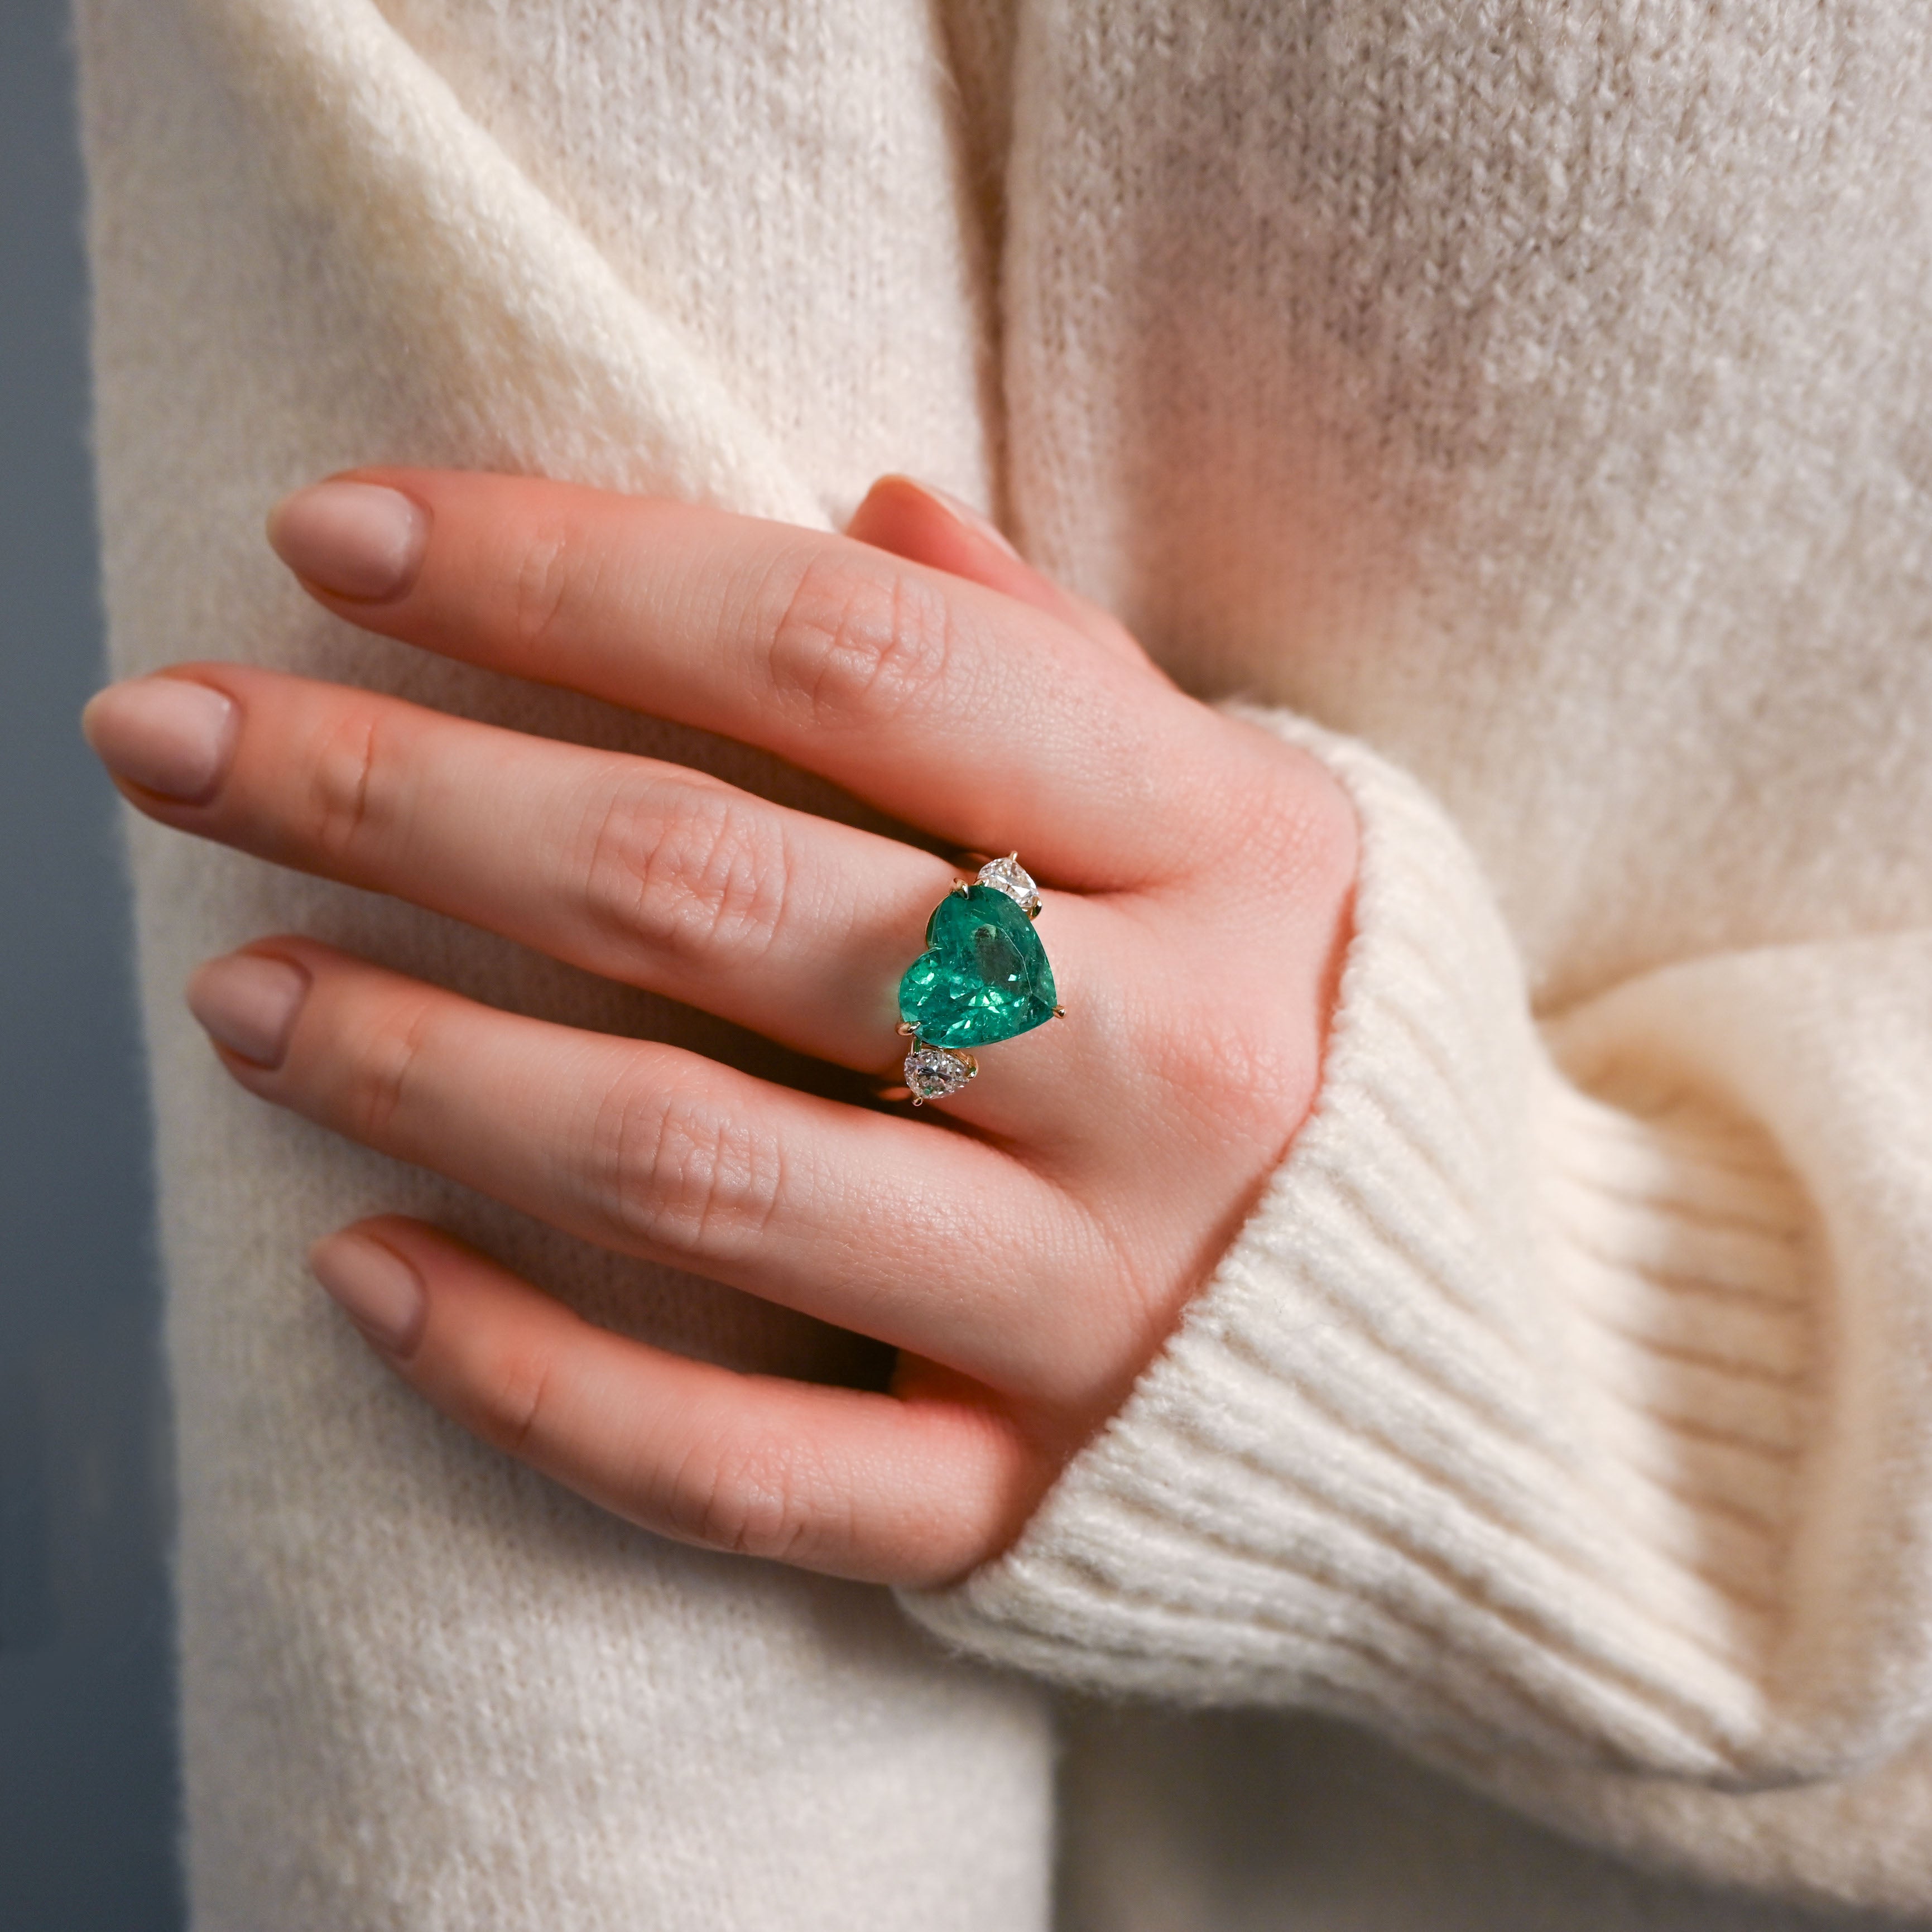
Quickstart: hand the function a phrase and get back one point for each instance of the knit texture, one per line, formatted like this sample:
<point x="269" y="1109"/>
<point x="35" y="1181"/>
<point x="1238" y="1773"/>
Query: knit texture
<point x="1534" y="394"/>
<point x="1520" y="1419"/>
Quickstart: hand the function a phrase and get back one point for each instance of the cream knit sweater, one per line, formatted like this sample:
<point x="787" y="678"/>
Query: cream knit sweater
<point x="1538" y="392"/>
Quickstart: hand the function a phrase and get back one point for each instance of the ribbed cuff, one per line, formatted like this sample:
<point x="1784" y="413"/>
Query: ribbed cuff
<point x="1486" y="1427"/>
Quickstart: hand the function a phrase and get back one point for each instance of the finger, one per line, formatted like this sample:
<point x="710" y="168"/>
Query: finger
<point x="642" y="871"/>
<point x="925" y="525"/>
<point x="857" y="1484"/>
<point x="951" y="706"/>
<point x="931" y="1241"/>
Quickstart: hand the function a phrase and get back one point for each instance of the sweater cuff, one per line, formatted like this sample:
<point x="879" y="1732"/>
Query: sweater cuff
<point x="1486" y="1428"/>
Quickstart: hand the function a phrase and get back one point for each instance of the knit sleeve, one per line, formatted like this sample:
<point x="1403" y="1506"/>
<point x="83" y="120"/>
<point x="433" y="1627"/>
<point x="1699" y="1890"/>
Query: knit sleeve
<point x="1569" y="1392"/>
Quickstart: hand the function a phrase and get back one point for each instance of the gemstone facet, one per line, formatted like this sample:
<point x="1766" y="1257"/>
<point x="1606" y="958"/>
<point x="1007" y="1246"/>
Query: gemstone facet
<point x="983" y="976"/>
<point x="1009" y="876"/>
<point x="931" y="1073"/>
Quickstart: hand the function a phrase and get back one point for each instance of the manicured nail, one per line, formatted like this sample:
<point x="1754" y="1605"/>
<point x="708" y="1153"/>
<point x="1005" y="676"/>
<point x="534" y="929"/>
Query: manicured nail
<point x="355" y="540"/>
<point x="165" y="734"/>
<point x="376" y="1288"/>
<point x="963" y="512"/>
<point x="248" y="1003"/>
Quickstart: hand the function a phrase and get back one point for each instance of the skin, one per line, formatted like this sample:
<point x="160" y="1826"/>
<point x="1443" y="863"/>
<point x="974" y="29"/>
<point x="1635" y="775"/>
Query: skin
<point x="1197" y="876"/>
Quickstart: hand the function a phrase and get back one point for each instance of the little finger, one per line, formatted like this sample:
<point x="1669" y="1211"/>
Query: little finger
<point x="859" y="1485"/>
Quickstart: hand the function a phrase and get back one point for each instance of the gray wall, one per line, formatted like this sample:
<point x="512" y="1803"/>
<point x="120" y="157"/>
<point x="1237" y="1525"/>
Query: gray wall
<point x="87" y="1796"/>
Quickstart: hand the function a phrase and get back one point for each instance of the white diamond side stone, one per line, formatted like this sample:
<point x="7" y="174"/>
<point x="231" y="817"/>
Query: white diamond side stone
<point x="932" y="1072"/>
<point x="1009" y="876"/>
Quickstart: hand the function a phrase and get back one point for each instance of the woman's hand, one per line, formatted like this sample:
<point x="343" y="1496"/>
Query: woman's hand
<point x="1026" y="1245"/>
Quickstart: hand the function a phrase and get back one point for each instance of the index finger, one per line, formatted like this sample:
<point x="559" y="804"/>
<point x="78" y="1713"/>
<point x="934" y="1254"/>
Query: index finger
<point x="975" y="717"/>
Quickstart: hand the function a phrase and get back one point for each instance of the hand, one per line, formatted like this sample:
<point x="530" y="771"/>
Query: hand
<point x="1027" y="1245"/>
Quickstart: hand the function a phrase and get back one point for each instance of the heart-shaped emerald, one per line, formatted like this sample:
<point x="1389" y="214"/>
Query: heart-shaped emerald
<point x="983" y="976"/>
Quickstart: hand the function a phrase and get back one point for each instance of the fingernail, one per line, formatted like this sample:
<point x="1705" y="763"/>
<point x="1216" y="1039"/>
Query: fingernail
<point x="375" y="1287"/>
<point x="356" y="540"/>
<point x="963" y="512"/>
<point x="248" y="1003"/>
<point x="165" y="734"/>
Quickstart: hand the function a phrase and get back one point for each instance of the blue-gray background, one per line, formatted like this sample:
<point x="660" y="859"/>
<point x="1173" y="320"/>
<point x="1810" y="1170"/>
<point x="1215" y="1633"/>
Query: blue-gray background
<point x="88" y="1803"/>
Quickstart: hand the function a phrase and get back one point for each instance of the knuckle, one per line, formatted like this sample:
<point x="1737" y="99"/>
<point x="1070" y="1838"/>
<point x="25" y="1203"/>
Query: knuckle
<point x="1330" y="833"/>
<point x="688" y="879"/>
<point x="681" y="1174"/>
<point x="1243" y="1071"/>
<point x="553" y="573"/>
<point x="752" y="1494"/>
<point x="385" y="1069"/>
<point x="510" y="1398"/>
<point x="350" y="789"/>
<point x="1232" y="1077"/>
<point x="1306" y="827"/>
<point x="858" y="645"/>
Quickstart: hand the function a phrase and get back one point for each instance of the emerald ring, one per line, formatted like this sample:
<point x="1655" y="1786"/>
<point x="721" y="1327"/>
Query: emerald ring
<point x="982" y="977"/>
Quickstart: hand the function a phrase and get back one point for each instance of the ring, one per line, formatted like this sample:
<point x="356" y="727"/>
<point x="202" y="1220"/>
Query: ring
<point x="982" y="977"/>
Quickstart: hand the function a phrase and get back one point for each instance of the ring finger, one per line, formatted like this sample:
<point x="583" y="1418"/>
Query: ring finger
<point x="793" y="925"/>
<point x="930" y="1241"/>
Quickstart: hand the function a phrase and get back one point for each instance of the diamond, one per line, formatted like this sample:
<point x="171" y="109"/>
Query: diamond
<point x="934" y="1071"/>
<point x="1009" y="876"/>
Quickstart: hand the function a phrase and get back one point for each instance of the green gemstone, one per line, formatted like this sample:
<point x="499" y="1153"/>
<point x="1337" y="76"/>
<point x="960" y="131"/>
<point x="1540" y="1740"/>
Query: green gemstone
<point x="983" y="976"/>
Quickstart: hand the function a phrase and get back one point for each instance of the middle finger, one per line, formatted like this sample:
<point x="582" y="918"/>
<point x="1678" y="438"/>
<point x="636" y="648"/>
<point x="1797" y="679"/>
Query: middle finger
<point x="975" y="717"/>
